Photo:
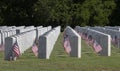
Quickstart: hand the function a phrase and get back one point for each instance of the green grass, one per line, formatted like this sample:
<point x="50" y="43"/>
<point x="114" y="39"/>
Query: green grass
<point x="60" y="61"/>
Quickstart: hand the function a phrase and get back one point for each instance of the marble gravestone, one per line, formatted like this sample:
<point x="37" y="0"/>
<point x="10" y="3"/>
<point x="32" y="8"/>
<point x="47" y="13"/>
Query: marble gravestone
<point x="103" y="39"/>
<point x="75" y="42"/>
<point x="47" y="42"/>
<point x="24" y="41"/>
<point x="115" y="35"/>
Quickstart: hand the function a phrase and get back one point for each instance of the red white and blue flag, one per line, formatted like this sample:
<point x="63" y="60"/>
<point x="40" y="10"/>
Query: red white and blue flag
<point x="97" y="47"/>
<point x="115" y="41"/>
<point x="66" y="44"/>
<point x="90" y="42"/>
<point x="35" y="49"/>
<point x="2" y="47"/>
<point x="16" y="50"/>
<point x="83" y="36"/>
<point x="80" y="34"/>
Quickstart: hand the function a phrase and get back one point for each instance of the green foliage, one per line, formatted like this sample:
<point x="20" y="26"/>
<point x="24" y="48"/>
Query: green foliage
<point x="16" y="12"/>
<point x="96" y="12"/>
<point x="56" y="12"/>
<point x="115" y="16"/>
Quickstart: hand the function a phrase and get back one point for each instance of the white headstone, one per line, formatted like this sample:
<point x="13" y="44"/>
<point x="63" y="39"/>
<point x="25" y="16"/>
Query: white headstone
<point x="75" y="42"/>
<point x="103" y="39"/>
<point x="46" y="43"/>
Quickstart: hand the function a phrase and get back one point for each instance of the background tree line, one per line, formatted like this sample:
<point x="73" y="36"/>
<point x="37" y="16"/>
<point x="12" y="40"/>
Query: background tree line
<point x="60" y="12"/>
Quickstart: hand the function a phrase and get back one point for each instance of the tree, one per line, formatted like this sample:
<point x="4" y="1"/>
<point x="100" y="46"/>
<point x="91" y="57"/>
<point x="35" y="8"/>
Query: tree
<point x="58" y="12"/>
<point x="115" y="16"/>
<point x="16" y="12"/>
<point x="96" y="12"/>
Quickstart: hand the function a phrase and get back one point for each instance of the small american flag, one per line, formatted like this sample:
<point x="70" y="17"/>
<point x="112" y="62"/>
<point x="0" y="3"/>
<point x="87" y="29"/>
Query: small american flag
<point x="2" y="47"/>
<point x="16" y="50"/>
<point x="66" y="44"/>
<point x="83" y="36"/>
<point x="115" y="41"/>
<point x="97" y="47"/>
<point x="90" y="42"/>
<point x="80" y="34"/>
<point x="35" y="49"/>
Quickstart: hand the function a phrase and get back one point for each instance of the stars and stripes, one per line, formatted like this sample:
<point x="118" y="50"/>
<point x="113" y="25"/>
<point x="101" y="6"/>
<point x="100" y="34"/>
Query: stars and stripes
<point x="66" y="44"/>
<point x="97" y="47"/>
<point x="2" y="48"/>
<point x="35" y="49"/>
<point x="90" y="41"/>
<point x="115" y="40"/>
<point x="16" y="50"/>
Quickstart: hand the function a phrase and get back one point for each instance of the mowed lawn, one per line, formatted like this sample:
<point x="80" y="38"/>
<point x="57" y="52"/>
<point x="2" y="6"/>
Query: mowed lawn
<point x="60" y="61"/>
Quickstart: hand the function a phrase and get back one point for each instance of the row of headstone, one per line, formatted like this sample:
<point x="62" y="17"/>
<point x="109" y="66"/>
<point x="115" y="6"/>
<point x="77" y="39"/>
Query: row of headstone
<point x="40" y="31"/>
<point x="114" y="28"/>
<point x="45" y="37"/>
<point x="17" y="44"/>
<point x="19" y="27"/>
<point x="22" y="43"/>
<point x="115" y="35"/>
<point x="7" y="32"/>
<point x="100" y="42"/>
<point x="29" y="28"/>
<point x="72" y="42"/>
<point x="38" y="27"/>
<point x="47" y="42"/>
